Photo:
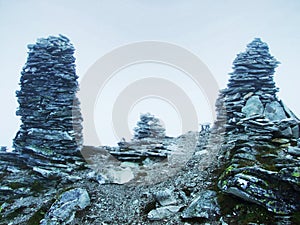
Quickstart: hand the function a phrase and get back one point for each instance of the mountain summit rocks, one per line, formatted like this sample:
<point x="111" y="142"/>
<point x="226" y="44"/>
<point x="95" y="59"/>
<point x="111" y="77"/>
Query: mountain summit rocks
<point x="261" y="135"/>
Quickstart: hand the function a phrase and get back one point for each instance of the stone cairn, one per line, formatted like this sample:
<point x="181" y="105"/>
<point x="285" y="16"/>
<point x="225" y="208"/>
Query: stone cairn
<point x="149" y="127"/>
<point x="149" y="141"/>
<point x="49" y="140"/>
<point x="49" y="108"/>
<point x="261" y="135"/>
<point x="46" y="156"/>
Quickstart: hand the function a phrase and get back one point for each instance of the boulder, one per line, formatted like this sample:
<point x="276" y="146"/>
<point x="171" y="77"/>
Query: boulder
<point x="63" y="210"/>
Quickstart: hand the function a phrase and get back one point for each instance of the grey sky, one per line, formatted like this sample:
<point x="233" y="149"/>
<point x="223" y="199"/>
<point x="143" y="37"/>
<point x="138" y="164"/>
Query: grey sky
<point x="215" y="32"/>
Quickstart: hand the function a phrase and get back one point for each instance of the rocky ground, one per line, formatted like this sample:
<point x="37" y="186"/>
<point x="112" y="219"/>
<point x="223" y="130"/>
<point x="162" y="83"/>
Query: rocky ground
<point x="132" y="203"/>
<point x="188" y="196"/>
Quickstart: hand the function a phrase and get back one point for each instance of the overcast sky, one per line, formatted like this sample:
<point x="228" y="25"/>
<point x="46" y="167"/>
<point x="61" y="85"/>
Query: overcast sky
<point x="215" y="32"/>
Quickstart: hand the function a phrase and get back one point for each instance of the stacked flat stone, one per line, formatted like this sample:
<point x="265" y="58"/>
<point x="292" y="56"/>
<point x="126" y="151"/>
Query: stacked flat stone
<point x="149" y="127"/>
<point x="139" y="150"/>
<point x="149" y="141"/>
<point x="261" y="135"/>
<point x="253" y="69"/>
<point x="251" y="91"/>
<point x="48" y="106"/>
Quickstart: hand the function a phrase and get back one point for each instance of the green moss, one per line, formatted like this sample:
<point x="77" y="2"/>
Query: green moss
<point x="37" y="216"/>
<point x="37" y="186"/>
<point x="1" y="208"/>
<point x="16" y="185"/>
<point x="238" y="211"/>
<point x="296" y="218"/>
<point x="228" y="169"/>
<point x="40" y="214"/>
<point x="296" y="174"/>
<point x="14" y="214"/>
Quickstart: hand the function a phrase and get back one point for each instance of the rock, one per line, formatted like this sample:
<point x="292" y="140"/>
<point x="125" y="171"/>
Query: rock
<point x="204" y="206"/>
<point x="23" y="208"/>
<point x="165" y="197"/>
<point x="149" y="142"/>
<point x="295" y="131"/>
<point x="46" y="154"/>
<point x="253" y="107"/>
<point x="274" y="111"/>
<point x="281" y="140"/>
<point x="163" y="212"/>
<point x="63" y="210"/>
<point x="294" y="151"/>
<point x="119" y="175"/>
<point x="287" y="132"/>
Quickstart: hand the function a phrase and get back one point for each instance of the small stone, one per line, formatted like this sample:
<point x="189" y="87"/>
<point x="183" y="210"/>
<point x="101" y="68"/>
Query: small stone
<point x="163" y="212"/>
<point x="204" y="206"/>
<point x="274" y="111"/>
<point x="165" y="197"/>
<point x="281" y="140"/>
<point x="119" y="175"/>
<point x="294" y="151"/>
<point x="253" y="107"/>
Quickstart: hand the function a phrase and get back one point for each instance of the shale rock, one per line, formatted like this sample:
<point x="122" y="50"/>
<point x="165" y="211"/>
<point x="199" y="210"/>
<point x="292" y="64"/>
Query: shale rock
<point x="163" y="212"/>
<point x="63" y="210"/>
<point x="166" y="207"/>
<point x="204" y="206"/>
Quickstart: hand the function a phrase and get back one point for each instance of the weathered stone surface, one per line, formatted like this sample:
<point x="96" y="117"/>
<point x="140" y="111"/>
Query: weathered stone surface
<point x="204" y="206"/>
<point x="165" y="197"/>
<point x="253" y="107"/>
<point x="163" y="212"/>
<point x="274" y="111"/>
<point x="63" y="210"/>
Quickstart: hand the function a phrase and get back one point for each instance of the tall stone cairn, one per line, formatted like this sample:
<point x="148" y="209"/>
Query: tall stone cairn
<point x="48" y="106"/>
<point x="261" y="135"/>
<point x="252" y="74"/>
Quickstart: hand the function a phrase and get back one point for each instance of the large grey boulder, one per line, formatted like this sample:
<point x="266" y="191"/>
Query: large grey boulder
<point x="63" y="210"/>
